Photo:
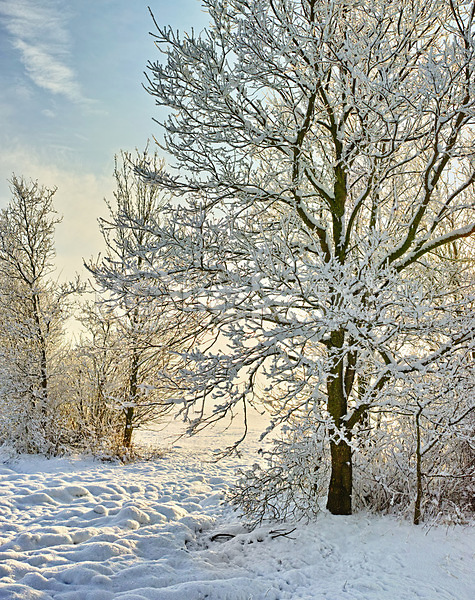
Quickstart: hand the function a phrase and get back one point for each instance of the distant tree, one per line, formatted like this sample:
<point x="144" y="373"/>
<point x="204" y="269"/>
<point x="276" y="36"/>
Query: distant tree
<point x="149" y="335"/>
<point x="324" y="155"/>
<point x="33" y="308"/>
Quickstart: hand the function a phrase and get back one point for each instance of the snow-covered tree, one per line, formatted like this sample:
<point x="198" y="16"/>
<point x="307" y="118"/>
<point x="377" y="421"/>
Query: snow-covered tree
<point x="324" y="154"/>
<point x="96" y="380"/>
<point x="149" y="335"/>
<point x="33" y="308"/>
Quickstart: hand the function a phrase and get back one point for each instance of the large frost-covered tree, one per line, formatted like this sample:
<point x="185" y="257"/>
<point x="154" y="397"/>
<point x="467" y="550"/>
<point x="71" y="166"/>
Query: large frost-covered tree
<point x="324" y="154"/>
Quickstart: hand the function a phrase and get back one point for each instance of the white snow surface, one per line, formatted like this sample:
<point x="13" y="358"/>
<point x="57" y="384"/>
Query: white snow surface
<point x="76" y="529"/>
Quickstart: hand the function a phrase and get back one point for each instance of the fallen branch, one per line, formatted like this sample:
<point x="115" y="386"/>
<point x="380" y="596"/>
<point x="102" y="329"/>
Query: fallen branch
<point x="224" y="537"/>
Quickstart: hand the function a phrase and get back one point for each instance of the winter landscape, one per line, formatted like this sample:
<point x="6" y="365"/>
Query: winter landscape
<point x="75" y="529"/>
<point x="286" y="277"/>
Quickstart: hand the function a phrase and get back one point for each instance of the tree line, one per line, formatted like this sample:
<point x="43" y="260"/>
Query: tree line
<point x="60" y="394"/>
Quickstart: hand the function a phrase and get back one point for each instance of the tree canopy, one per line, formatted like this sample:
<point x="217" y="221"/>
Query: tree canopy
<point x="324" y="153"/>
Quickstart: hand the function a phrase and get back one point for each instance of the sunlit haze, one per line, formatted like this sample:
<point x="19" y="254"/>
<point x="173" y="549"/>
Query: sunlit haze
<point x="71" y="96"/>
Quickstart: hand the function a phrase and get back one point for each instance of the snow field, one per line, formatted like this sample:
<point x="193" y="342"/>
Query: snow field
<point x="83" y="530"/>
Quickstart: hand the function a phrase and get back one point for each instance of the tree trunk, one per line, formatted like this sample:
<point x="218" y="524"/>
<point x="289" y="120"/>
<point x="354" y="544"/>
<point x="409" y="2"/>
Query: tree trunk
<point x="341" y="479"/>
<point x="418" y="502"/>
<point x="43" y="363"/>
<point x="44" y="383"/>
<point x="129" y="416"/>
<point x="42" y="349"/>
<point x="129" y="413"/>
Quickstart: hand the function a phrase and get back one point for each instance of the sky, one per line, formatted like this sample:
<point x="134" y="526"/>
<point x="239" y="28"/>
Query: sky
<point x="71" y="97"/>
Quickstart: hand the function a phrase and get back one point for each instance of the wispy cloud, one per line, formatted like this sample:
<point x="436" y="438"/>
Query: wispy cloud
<point x="39" y="32"/>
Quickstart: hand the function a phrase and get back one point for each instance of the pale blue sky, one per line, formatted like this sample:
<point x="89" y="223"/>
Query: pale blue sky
<point x="71" y="96"/>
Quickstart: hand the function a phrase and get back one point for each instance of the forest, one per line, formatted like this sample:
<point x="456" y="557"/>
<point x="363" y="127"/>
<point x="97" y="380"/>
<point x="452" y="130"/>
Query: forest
<point x="300" y="243"/>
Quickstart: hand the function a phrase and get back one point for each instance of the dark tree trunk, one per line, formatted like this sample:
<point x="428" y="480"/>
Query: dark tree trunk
<point x="418" y="502"/>
<point x="340" y="489"/>
<point x="44" y="382"/>
<point x="133" y="388"/>
<point x="341" y="480"/>
<point x="129" y="417"/>
<point x="43" y="361"/>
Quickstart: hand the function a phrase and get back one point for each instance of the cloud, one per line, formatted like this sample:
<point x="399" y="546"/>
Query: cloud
<point x="39" y="32"/>
<point x="47" y="72"/>
<point x="48" y="113"/>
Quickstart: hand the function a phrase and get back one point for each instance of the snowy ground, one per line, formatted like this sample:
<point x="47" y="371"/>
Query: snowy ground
<point x="82" y="530"/>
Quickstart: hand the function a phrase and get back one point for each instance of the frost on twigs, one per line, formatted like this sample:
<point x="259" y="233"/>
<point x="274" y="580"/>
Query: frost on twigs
<point x="288" y="482"/>
<point x="386" y="478"/>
